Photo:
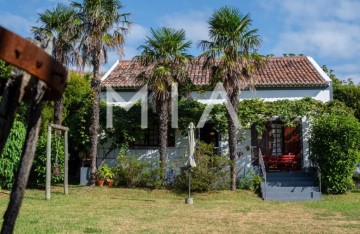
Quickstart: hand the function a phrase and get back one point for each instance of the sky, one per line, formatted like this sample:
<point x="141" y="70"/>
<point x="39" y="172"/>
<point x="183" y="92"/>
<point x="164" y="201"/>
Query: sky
<point x="327" y="30"/>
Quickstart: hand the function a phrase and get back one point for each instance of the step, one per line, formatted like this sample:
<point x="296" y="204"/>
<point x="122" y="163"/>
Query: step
<point x="292" y="198"/>
<point x="287" y="193"/>
<point x="281" y="176"/>
<point x="298" y="189"/>
<point x="291" y="183"/>
<point x="292" y="194"/>
<point x="288" y="174"/>
<point x="280" y="179"/>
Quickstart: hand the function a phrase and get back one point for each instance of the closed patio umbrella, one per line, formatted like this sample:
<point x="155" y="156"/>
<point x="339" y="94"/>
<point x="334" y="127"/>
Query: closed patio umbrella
<point x="191" y="161"/>
<point x="192" y="143"/>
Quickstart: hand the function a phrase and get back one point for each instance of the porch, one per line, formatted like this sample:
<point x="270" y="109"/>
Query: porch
<point x="280" y="145"/>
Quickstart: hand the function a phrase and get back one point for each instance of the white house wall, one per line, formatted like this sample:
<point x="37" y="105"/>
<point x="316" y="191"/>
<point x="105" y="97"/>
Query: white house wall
<point x="177" y="153"/>
<point x="149" y="154"/>
<point x="176" y="156"/>
<point x="323" y="95"/>
<point x="270" y="95"/>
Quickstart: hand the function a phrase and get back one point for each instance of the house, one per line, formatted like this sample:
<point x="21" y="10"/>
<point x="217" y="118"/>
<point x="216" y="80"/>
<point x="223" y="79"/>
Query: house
<point x="284" y="148"/>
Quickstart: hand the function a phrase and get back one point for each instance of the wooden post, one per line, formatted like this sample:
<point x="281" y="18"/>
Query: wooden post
<point x="48" y="160"/>
<point x="44" y="68"/>
<point x="66" y="177"/>
<point x="27" y="157"/>
<point x="48" y="165"/>
<point x="12" y="97"/>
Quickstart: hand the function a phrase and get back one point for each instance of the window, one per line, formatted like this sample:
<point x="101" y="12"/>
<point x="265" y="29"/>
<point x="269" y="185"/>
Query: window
<point x="209" y="135"/>
<point x="150" y="137"/>
<point x="277" y="139"/>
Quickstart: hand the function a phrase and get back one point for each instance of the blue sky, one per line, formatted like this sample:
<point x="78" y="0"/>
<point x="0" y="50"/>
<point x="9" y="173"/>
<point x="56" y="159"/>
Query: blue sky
<point x="327" y="30"/>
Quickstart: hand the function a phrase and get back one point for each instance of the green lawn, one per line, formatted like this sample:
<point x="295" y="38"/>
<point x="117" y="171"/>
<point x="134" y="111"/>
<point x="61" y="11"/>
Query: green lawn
<point x="119" y="210"/>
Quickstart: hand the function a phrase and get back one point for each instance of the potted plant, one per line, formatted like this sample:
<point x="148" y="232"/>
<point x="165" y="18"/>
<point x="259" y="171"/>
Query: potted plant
<point x="101" y="175"/>
<point x="106" y="174"/>
<point x="109" y="177"/>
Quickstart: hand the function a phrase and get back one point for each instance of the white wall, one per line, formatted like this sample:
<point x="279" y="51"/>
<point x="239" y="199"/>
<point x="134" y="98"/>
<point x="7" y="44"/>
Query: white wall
<point x="243" y="162"/>
<point x="176" y="156"/>
<point x="150" y="154"/>
<point x="270" y="95"/>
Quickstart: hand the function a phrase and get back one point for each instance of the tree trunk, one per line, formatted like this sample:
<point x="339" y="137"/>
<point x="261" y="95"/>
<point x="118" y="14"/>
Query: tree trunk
<point x="58" y="110"/>
<point x="59" y="105"/>
<point x="94" y="128"/>
<point x="27" y="157"/>
<point x="163" y="135"/>
<point x="233" y="141"/>
<point x="12" y="97"/>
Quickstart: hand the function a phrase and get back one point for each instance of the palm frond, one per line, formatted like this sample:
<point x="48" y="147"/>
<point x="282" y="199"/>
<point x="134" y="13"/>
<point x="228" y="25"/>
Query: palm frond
<point x="229" y="51"/>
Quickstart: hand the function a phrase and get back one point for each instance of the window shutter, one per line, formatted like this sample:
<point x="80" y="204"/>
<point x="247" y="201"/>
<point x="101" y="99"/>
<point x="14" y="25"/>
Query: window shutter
<point x="253" y="135"/>
<point x="254" y="141"/>
<point x="292" y="140"/>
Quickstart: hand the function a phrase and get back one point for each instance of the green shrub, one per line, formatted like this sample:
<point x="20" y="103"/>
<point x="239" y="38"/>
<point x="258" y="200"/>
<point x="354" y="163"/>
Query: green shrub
<point x="250" y="181"/>
<point x="5" y="69"/>
<point x="132" y="172"/>
<point x="209" y="173"/>
<point x="335" y="145"/>
<point x="9" y="159"/>
<point x="105" y="172"/>
<point x="39" y="165"/>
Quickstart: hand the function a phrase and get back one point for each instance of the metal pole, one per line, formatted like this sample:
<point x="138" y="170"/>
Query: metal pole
<point x="66" y="170"/>
<point x="189" y="181"/>
<point x="48" y="165"/>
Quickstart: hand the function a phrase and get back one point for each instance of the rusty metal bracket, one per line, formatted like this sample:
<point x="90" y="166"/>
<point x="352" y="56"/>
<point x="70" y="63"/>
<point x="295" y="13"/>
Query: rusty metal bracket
<point x="34" y="60"/>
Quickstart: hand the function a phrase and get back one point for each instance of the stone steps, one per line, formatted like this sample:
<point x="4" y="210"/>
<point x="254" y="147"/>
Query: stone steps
<point x="290" y="186"/>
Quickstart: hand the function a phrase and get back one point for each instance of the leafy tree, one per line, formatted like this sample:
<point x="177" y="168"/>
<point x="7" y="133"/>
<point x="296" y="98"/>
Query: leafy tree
<point x="10" y="158"/>
<point x="77" y="105"/>
<point x="5" y="69"/>
<point x="334" y="142"/>
<point x="231" y="55"/>
<point x="61" y="24"/>
<point x="166" y="52"/>
<point x="345" y="91"/>
<point x="102" y="28"/>
<point x="349" y="93"/>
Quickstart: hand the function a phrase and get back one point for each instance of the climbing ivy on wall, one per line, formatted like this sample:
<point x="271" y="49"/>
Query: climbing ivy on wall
<point x="252" y="111"/>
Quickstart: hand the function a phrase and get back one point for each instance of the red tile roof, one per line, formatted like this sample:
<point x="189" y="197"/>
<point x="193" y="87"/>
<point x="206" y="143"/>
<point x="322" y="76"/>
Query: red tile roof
<point x="295" y="71"/>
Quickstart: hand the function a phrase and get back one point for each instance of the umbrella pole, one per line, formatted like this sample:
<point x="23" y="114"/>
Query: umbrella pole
<point x="189" y="200"/>
<point x="189" y="182"/>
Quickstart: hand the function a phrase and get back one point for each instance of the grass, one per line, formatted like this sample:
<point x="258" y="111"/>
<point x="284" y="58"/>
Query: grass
<point x="119" y="210"/>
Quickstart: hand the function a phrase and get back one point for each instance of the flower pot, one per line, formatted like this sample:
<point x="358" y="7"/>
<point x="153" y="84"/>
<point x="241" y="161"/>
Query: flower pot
<point x="100" y="183"/>
<point x="109" y="183"/>
<point x="56" y="170"/>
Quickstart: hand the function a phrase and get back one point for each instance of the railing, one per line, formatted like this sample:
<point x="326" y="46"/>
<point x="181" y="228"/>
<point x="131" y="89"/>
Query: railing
<point x="263" y="169"/>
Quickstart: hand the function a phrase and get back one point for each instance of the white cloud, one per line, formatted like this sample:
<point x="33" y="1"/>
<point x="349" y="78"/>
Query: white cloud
<point x="348" y="10"/>
<point x="136" y="33"/>
<point x="322" y="27"/>
<point x="341" y="10"/>
<point x="346" y="71"/>
<point x="194" y="24"/>
<point x="323" y="38"/>
<point x="355" y="77"/>
<point x="326" y="29"/>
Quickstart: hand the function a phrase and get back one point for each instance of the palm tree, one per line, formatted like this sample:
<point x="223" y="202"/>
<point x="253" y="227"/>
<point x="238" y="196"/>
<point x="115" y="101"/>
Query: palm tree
<point x="102" y="28"/>
<point x="62" y="25"/>
<point x="231" y="55"/>
<point x="165" y="51"/>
